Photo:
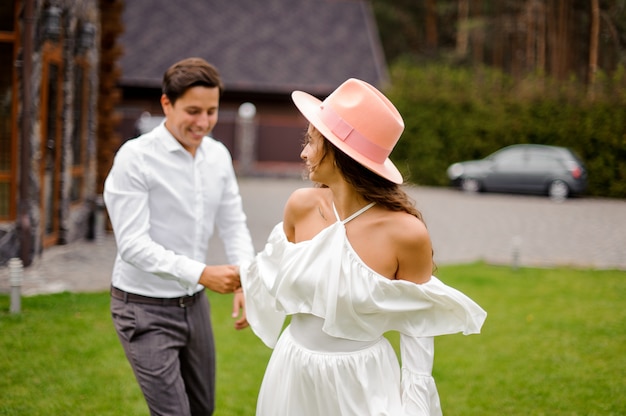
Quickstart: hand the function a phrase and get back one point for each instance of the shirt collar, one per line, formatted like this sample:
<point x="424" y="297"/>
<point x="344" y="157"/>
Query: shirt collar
<point x="170" y="142"/>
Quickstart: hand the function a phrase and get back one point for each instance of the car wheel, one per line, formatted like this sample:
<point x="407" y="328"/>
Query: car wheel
<point x="470" y="185"/>
<point x="558" y="190"/>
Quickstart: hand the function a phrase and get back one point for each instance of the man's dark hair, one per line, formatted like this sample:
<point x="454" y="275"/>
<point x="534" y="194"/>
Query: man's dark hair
<point x="188" y="73"/>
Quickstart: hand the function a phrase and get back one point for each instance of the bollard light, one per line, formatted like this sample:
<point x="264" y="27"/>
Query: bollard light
<point x="16" y="272"/>
<point x="516" y="247"/>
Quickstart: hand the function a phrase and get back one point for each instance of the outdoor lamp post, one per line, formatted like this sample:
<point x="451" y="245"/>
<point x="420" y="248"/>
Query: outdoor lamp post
<point x="86" y="37"/>
<point x="246" y="137"/>
<point x="52" y="23"/>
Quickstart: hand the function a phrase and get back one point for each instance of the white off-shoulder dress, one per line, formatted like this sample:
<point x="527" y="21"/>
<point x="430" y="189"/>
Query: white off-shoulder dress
<point x="332" y="359"/>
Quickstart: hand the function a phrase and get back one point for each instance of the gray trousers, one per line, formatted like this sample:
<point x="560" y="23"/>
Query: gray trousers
<point x="172" y="353"/>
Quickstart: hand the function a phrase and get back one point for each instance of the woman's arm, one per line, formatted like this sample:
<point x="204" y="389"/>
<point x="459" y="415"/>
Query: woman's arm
<point x="414" y="250"/>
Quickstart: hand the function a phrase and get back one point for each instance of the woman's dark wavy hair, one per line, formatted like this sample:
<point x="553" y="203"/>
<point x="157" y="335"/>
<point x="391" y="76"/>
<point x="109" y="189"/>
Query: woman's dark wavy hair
<point x="373" y="187"/>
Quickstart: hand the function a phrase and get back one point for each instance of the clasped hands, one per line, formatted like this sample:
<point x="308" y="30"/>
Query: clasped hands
<point x="225" y="279"/>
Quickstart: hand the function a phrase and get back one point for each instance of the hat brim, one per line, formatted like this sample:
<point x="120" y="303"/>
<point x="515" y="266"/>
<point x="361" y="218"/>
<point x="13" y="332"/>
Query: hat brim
<point x="309" y="106"/>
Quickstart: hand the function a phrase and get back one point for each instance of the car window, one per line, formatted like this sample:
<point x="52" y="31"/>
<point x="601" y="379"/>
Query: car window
<point x="542" y="161"/>
<point x="509" y="157"/>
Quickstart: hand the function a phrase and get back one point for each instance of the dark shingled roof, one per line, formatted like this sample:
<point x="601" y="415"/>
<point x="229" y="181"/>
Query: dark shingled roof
<point x="266" y="46"/>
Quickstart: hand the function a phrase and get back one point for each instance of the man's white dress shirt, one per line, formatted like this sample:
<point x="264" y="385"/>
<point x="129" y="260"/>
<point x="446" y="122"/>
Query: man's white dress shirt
<point x="164" y="205"/>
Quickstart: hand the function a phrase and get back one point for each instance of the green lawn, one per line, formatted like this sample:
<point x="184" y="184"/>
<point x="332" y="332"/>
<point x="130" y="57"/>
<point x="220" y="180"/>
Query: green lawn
<point x="554" y="343"/>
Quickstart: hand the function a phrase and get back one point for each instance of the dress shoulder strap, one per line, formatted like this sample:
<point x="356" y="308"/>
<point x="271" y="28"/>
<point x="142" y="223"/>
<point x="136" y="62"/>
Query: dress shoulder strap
<point x="356" y="214"/>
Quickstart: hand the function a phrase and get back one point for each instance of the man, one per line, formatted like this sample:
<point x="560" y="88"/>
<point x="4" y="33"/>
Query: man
<point x="166" y="192"/>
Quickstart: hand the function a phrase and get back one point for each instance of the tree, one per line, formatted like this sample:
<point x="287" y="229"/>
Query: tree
<point x="593" y="42"/>
<point x="556" y="38"/>
<point x="462" y="34"/>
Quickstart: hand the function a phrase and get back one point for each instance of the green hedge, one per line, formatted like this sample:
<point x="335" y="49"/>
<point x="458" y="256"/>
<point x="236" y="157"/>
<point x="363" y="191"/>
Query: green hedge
<point x="453" y="114"/>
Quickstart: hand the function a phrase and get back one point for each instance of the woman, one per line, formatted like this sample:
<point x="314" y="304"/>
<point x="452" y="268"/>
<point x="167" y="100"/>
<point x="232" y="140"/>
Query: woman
<point x="351" y="260"/>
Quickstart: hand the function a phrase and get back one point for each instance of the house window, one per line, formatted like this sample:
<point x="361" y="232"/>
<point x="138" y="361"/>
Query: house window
<point x="7" y="16"/>
<point x="8" y="113"/>
<point x="79" y="137"/>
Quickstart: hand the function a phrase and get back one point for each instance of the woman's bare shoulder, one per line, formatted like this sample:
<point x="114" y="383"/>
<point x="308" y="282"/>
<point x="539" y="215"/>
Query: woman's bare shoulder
<point x="408" y="227"/>
<point x="305" y="199"/>
<point x="302" y="204"/>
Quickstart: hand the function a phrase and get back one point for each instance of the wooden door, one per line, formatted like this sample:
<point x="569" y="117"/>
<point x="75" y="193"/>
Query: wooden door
<point x="51" y="149"/>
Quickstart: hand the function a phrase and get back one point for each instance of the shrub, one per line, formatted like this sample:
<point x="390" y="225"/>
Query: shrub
<point x="453" y="114"/>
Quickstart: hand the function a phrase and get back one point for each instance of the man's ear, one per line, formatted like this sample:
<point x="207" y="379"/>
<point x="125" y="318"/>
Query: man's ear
<point x="165" y="103"/>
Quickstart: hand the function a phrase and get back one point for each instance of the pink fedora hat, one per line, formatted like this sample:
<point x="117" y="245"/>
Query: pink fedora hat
<point x="360" y="121"/>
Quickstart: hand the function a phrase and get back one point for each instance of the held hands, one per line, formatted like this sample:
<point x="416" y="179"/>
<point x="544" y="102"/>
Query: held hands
<point x="220" y="279"/>
<point x="225" y="279"/>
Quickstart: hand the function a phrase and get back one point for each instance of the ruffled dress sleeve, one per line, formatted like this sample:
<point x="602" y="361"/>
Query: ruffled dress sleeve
<point x="257" y="280"/>
<point x="326" y="278"/>
<point x="419" y="391"/>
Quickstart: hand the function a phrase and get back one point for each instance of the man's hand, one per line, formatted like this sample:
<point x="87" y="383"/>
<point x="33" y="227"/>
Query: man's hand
<point x="220" y="279"/>
<point x="239" y="306"/>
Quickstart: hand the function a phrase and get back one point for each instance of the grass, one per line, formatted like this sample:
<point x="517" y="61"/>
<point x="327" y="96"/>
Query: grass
<point x="554" y="343"/>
